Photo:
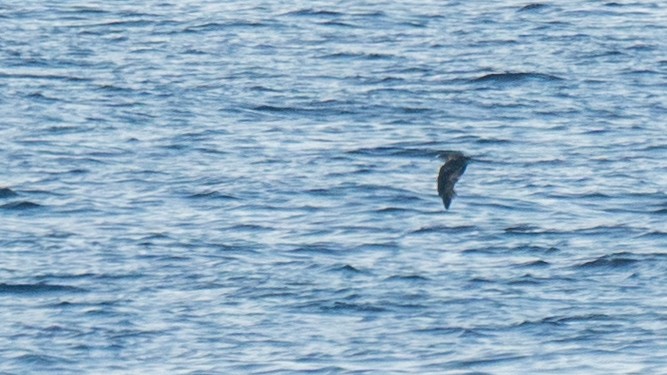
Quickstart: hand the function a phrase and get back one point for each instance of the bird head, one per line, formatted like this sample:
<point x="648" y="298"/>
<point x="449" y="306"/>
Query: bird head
<point x="449" y="154"/>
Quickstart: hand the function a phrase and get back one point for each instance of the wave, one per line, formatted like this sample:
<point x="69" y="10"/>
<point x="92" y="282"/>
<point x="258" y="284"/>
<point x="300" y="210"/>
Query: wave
<point x="444" y="228"/>
<point x="536" y="263"/>
<point x="318" y="109"/>
<point x="313" y="12"/>
<point x="215" y="26"/>
<point x="212" y="195"/>
<point x="20" y="206"/>
<point x="562" y="320"/>
<point x="359" y="55"/>
<point x="394" y="151"/>
<point x="408" y="278"/>
<point x="346" y="269"/>
<point x="36" y="288"/>
<point x="533" y="7"/>
<point x="515" y="78"/>
<point x="523" y="229"/>
<point x="618" y="260"/>
<point x="7" y="193"/>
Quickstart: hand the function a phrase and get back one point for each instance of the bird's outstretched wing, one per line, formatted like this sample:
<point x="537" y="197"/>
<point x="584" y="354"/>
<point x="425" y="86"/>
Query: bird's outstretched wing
<point x="449" y="174"/>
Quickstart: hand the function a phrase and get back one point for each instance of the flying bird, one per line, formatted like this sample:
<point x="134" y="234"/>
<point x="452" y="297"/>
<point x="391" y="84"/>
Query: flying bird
<point x="449" y="174"/>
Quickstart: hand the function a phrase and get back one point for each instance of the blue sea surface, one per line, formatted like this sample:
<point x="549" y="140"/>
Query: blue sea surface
<point x="249" y="187"/>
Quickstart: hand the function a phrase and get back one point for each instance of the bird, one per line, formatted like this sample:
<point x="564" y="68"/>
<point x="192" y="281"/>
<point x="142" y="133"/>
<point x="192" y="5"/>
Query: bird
<point x="450" y="172"/>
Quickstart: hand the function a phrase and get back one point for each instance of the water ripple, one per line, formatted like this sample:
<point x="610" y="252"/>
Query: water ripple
<point x="250" y="187"/>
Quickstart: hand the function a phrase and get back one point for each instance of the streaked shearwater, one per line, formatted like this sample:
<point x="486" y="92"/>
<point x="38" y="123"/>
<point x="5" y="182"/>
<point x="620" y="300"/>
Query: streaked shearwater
<point x="450" y="172"/>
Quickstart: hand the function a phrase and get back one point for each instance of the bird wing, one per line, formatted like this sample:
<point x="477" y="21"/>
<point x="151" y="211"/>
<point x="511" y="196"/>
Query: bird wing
<point x="449" y="174"/>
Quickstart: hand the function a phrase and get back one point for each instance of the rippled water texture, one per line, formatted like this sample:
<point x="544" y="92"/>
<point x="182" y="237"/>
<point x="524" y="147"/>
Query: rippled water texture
<point x="237" y="187"/>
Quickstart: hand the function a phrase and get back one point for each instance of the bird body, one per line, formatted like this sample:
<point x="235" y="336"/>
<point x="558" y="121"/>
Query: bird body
<point x="449" y="174"/>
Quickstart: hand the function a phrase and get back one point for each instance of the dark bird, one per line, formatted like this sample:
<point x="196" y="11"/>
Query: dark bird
<point x="449" y="174"/>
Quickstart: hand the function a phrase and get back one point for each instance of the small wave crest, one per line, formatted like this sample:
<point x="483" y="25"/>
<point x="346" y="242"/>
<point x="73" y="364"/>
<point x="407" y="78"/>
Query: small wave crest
<point x="309" y="12"/>
<point x="7" y="193"/>
<point x="20" y="206"/>
<point x="23" y="289"/>
<point x="212" y="195"/>
<point x="394" y="151"/>
<point x="533" y="7"/>
<point x="618" y="260"/>
<point x="515" y="78"/>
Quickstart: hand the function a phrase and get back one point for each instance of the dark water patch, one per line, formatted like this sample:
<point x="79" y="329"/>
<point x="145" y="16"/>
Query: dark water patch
<point x="654" y="234"/>
<point x="592" y="195"/>
<point x="361" y="56"/>
<point x="340" y="24"/>
<point x="47" y="77"/>
<point x="290" y="110"/>
<point x="215" y="195"/>
<point x="393" y="151"/>
<point x="385" y="246"/>
<point x="110" y="88"/>
<point x="515" y="78"/>
<point x="611" y="261"/>
<point x="43" y="360"/>
<point x="7" y="193"/>
<point x="323" y="248"/>
<point x="494" y="360"/>
<point x="370" y="14"/>
<point x="310" y="12"/>
<point x="391" y="210"/>
<point x="38" y="288"/>
<point x="533" y="7"/>
<point x="655" y="147"/>
<point x="535" y="264"/>
<point x="555" y="321"/>
<point x="356" y="171"/>
<point x="65" y="276"/>
<point x="334" y="192"/>
<point x="661" y="211"/>
<point x="536" y="249"/>
<point x="218" y="26"/>
<point x="543" y="161"/>
<point x="493" y="141"/>
<point x="122" y="24"/>
<point x="64" y="129"/>
<point x="640" y="47"/>
<point x="249" y="228"/>
<point x="490" y="250"/>
<point x="407" y="278"/>
<point x="607" y="230"/>
<point x="588" y="196"/>
<point x="352" y="308"/>
<point x="261" y="88"/>
<point x="383" y="191"/>
<point x="38" y="96"/>
<point x="407" y="199"/>
<point x="527" y="279"/>
<point x="522" y="248"/>
<point x="578" y="318"/>
<point x="84" y="10"/>
<point x="440" y="331"/>
<point x="340" y="307"/>
<point x="523" y="229"/>
<point x="444" y="228"/>
<point x="20" y="206"/>
<point x="415" y="110"/>
<point x="346" y="269"/>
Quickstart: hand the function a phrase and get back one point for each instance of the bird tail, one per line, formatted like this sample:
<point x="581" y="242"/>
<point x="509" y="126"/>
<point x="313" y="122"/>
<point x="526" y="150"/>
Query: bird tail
<point x="447" y="198"/>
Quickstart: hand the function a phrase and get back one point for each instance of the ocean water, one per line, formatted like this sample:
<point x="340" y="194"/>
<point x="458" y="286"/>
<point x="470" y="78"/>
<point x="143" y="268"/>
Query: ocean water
<point x="204" y="187"/>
